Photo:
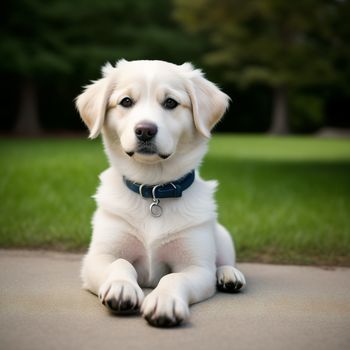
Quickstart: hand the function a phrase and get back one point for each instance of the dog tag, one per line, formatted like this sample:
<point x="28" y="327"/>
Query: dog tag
<point x="156" y="209"/>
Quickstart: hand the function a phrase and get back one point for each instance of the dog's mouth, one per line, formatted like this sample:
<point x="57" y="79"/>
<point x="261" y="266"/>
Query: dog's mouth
<point x="148" y="150"/>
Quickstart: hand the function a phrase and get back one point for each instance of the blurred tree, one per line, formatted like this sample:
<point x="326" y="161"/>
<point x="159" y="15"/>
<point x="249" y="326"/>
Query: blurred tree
<point x="286" y="45"/>
<point x="45" y="40"/>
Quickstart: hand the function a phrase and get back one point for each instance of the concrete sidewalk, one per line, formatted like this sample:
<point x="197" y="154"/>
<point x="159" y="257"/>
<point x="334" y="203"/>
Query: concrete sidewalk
<point x="284" y="307"/>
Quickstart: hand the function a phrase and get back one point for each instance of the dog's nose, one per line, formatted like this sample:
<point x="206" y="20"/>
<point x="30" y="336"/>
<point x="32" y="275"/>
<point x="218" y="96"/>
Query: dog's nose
<point x="145" y="131"/>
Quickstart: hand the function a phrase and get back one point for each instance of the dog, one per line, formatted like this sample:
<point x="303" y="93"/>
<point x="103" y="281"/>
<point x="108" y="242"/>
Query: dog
<point x="156" y="223"/>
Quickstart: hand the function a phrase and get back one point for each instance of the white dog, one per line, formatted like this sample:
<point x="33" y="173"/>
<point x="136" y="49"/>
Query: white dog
<point x="156" y="222"/>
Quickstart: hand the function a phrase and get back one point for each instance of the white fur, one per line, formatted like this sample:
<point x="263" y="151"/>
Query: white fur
<point x="185" y="251"/>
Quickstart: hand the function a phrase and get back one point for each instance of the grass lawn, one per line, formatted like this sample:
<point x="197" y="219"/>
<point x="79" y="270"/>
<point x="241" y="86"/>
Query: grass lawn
<point x="285" y="200"/>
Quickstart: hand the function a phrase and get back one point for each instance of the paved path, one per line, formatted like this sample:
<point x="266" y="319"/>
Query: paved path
<point x="284" y="307"/>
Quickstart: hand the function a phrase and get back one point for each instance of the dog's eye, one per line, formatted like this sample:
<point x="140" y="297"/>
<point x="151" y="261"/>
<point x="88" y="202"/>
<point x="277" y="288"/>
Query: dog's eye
<point x="169" y="103"/>
<point x="126" y="102"/>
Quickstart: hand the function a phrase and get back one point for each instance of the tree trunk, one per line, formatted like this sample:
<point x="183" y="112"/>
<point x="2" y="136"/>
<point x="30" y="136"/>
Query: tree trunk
<point x="28" y="118"/>
<point x="279" y="123"/>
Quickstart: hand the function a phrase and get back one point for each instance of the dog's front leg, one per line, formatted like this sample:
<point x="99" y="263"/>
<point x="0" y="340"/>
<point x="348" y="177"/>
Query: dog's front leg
<point x="168" y="304"/>
<point x="192" y="259"/>
<point x="107" y="270"/>
<point x="114" y="281"/>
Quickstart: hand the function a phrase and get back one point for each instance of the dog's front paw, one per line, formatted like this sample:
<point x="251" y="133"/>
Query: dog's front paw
<point x="161" y="309"/>
<point x="121" y="296"/>
<point x="229" y="279"/>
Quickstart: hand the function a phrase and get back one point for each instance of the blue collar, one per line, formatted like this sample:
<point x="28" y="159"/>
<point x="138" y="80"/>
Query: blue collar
<point x="172" y="189"/>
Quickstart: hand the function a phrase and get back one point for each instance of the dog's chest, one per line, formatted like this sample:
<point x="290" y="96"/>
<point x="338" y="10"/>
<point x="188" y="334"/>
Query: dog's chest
<point x="151" y="258"/>
<point x="150" y="269"/>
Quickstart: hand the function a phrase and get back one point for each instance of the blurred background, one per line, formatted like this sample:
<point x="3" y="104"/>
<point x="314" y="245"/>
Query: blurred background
<point x="286" y="65"/>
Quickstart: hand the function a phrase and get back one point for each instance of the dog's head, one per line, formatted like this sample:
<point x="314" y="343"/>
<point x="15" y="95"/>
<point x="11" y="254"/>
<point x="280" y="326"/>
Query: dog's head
<point x="149" y="110"/>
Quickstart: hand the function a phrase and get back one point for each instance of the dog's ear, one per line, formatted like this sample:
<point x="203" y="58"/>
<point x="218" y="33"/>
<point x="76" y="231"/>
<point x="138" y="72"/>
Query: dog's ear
<point x="209" y="103"/>
<point x="93" y="102"/>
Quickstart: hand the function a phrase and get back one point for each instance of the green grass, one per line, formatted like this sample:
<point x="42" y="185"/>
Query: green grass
<point x="285" y="200"/>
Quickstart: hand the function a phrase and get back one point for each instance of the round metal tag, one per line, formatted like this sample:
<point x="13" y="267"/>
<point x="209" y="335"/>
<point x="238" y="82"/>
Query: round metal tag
<point x="156" y="210"/>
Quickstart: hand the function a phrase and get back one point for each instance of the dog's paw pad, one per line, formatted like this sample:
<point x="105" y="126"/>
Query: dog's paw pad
<point x="164" y="310"/>
<point x="230" y="279"/>
<point x="121" y="296"/>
